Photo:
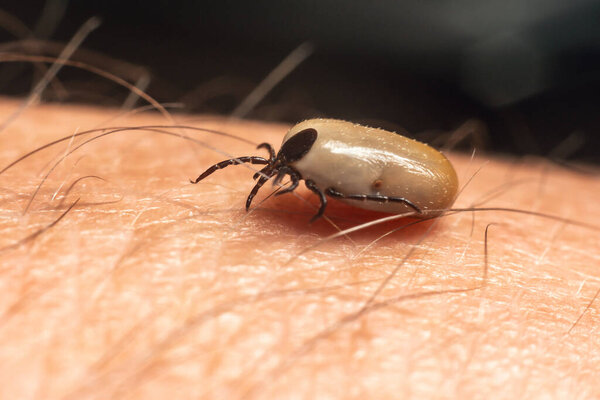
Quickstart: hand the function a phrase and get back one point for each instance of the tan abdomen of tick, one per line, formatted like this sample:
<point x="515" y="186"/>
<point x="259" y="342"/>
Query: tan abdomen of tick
<point x="356" y="159"/>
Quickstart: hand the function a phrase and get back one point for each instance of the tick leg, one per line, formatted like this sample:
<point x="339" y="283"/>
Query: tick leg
<point x="262" y="172"/>
<point x="261" y="181"/>
<point x="269" y="148"/>
<point x="313" y="187"/>
<point x="226" y="163"/>
<point x="372" y="197"/>
<point x="294" y="176"/>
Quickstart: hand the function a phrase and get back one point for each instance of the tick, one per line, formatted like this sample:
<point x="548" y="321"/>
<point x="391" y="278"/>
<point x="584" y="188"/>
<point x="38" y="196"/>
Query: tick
<point x="367" y="167"/>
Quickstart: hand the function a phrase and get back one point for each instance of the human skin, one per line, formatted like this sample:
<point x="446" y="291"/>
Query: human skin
<point x="150" y="287"/>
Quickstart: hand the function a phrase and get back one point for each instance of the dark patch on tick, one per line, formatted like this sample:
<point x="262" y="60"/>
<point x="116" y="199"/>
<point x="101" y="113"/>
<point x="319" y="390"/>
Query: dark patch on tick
<point x="297" y="146"/>
<point x="377" y="184"/>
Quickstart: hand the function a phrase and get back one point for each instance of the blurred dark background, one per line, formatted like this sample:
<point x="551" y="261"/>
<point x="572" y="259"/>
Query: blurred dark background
<point x="527" y="71"/>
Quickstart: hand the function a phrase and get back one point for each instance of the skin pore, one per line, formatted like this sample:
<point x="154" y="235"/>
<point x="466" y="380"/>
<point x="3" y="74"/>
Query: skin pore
<point x="152" y="287"/>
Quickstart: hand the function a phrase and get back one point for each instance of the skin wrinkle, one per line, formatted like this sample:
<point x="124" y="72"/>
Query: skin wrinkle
<point x="184" y="317"/>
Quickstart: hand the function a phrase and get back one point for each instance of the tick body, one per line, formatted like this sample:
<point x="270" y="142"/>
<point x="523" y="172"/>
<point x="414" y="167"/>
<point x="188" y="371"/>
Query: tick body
<point x="367" y="167"/>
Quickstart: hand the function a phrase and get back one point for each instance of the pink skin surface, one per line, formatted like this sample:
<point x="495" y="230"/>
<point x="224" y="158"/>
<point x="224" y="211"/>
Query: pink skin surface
<point x="150" y="287"/>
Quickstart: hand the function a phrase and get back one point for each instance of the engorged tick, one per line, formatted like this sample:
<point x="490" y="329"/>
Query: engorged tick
<point x="368" y="167"/>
